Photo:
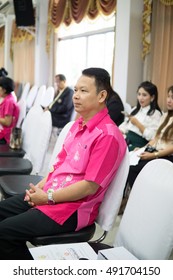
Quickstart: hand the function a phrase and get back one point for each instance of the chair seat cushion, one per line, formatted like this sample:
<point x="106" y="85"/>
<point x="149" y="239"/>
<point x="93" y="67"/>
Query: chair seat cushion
<point x="82" y="235"/>
<point x="16" y="184"/>
<point x="6" y="151"/>
<point x="14" y="166"/>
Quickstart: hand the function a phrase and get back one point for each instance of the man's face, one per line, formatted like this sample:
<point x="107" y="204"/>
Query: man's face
<point x="86" y="99"/>
<point x="59" y="84"/>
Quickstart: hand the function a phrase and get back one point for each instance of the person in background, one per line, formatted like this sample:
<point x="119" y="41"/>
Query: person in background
<point x="62" y="106"/>
<point x="115" y="108"/>
<point x="9" y="110"/>
<point x="141" y="125"/>
<point x="3" y="72"/>
<point x="161" y="146"/>
<point x="68" y="199"/>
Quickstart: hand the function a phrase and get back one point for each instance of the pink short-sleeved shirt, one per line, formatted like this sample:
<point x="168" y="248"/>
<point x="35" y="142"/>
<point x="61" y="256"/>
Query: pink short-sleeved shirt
<point x="92" y="152"/>
<point x="8" y="107"/>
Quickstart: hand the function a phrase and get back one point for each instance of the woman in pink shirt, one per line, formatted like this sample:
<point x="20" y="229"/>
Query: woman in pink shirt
<point x="68" y="199"/>
<point x="9" y="110"/>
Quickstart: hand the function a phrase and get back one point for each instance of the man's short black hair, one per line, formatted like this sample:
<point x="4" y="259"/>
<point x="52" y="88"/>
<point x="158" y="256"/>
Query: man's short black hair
<point x="102" y="79"/>
<point x="61" y="77"/>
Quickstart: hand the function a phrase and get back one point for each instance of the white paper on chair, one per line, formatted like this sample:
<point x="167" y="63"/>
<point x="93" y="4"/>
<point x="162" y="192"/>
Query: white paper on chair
<point x="134" y="156"/>
<point x="71" y="251"/>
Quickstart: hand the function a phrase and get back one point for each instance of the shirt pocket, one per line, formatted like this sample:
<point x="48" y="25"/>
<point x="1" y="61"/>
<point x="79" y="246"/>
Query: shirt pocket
<point x="79" y="157"/>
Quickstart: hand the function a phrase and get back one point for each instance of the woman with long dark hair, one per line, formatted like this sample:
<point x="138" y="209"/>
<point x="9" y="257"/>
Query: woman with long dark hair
<point x="141" y="125"/>
<point x="162" y="144"/>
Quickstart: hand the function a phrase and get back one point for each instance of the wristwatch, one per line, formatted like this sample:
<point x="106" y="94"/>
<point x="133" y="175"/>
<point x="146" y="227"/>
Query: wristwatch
<point x="51" y="201"/>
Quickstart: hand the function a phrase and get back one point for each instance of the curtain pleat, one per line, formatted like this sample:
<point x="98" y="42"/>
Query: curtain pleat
<point x="68" y="10"/>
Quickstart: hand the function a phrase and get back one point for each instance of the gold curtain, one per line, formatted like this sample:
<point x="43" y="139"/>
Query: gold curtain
<point x="161" y="49"/>
<point x="66" y="11"/>
<point x="146" y="40"/>
<point x="167" y="2"/>
<point x="2" y="30"/>
<point x="19" y="36"/>
<point x="23" y="55"/>
<point x="2" y="33"/>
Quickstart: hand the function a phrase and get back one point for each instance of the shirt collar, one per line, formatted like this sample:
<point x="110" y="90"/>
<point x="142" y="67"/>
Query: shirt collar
<point x="92" y="123"/>
<point x="145" y="109"/>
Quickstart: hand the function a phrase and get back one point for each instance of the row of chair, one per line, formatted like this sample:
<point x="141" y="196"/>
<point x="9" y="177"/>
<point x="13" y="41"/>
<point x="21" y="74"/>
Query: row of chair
<point x="37" y="95"/>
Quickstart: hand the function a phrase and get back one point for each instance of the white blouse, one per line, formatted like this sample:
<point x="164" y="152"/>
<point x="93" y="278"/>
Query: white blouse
<point x="160" y="144"/>
<point x="151" y="123"/>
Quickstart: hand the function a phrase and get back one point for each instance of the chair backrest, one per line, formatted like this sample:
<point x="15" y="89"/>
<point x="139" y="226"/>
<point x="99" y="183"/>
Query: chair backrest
<point x="40" y="93"/>
<point x="47" y="97"/>
<point x="127" y="107"/>
<point x="59" y="142"/>
<point x="22" y="112"/>
<point x="25" y="91"/>
<point x="31" y="97"/>
<point x="146" y="227"/>
<point x="110" y="205"/>
<point x="36" y="130"/>
<point x="73" y="115"/>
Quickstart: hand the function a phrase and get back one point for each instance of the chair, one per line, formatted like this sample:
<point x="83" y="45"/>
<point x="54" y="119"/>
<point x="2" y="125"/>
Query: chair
<point x="22" y="112"/>
<point x="73" y="115"/>
<point x="146" y="227"/>
<point x="25" y="91"/>
<point x="40" y="93"/>
<point x="106" y="218"/>
<point x="31" y="97"/>
<point x="47" y="97"/>
<point x="127" y="107"/>
<point x="37" y="130"/>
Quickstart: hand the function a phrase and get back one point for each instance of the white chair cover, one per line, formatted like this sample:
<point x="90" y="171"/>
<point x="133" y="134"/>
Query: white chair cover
<point x="47" y="97"/>
<point x="110" y="206"/>
<point x="146" y="228"/>
<point x="36" y="131"/>
<point x="31" y="97"/>
<point x="40" y="93"/>
<point x="59" y="142"/>
<point x="25" y="91"/>
<point x="127" y="107"/>
<point x="22" y="112"/>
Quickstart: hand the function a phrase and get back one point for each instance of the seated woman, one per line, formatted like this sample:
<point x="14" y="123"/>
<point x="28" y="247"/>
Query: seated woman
<point x="162" y="144"/>
<point x="141" y="125"/>
<point x="9" y="110"/>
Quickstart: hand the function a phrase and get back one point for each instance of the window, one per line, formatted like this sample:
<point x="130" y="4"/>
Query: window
<point x="88" y="44"/>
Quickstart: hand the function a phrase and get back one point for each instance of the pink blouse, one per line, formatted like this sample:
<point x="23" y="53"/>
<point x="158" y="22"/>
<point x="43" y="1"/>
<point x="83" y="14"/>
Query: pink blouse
<point x="8" y="107"/>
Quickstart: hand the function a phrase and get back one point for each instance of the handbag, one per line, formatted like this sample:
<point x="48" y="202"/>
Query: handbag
<point x="16" y="138"/>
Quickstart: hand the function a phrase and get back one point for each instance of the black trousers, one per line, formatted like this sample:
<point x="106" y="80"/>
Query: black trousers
<point x="135" y="169"/>
<point x="3" y="141"/>
<point x="19" y="222"/>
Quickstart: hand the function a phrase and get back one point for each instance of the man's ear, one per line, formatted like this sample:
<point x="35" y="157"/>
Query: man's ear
<point x="102" y="96"/>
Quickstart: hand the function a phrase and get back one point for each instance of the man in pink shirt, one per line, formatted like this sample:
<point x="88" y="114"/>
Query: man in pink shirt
<point x="68" y="199"/>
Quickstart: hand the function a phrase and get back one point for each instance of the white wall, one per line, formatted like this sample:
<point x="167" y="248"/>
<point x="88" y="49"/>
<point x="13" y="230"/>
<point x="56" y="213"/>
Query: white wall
<point x="41" y="56"/>
<point x="128" y="49"/>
